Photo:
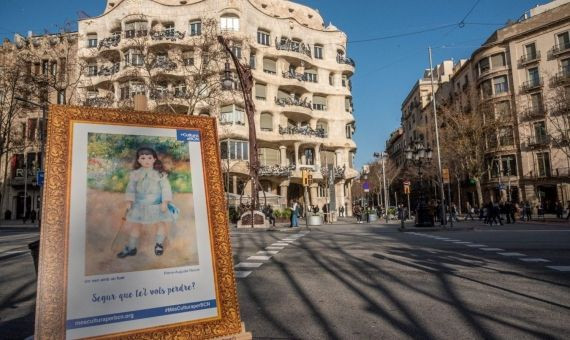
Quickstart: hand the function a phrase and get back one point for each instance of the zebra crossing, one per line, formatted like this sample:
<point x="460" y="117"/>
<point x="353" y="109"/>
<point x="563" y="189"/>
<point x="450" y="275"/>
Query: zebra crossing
<point x="244" y="269"/>
<point x="499" y="251"/>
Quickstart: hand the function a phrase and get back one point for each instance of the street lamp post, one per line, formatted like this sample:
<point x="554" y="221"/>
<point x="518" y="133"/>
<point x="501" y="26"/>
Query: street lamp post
<point x="42" y="153"/>
<point x="246" y="81"/>
<point x="418" y="154"/>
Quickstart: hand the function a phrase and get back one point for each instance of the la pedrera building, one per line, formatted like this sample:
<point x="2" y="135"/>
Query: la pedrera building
<point x="163" y="56"/>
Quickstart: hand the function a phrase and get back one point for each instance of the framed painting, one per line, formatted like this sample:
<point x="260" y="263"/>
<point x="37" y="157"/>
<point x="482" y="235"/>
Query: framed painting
<point x="134" y="239"/>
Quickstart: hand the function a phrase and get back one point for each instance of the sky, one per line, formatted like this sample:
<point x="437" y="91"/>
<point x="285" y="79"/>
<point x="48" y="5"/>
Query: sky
<point x="389" y="41"/>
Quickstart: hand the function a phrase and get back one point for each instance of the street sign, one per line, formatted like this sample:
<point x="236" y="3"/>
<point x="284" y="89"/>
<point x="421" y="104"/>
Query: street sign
<point x="40" y="178"/>
<point x="366" y="186"/>
<point x="445" y="176"/>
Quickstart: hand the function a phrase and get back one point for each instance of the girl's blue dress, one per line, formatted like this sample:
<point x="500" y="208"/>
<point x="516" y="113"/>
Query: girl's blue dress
<point x="147" y="189"/>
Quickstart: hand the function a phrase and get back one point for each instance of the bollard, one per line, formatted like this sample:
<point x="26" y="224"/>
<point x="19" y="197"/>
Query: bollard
<point x="35" y="250"/>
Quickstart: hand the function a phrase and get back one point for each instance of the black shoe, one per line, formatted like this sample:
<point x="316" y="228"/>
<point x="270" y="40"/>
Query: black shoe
<point x="158" y="249"/>
<point x="127" y="252"/>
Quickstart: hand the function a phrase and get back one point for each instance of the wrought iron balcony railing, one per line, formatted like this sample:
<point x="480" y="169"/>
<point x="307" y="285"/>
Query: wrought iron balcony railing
<point x="560" y="48"/>
<point x="286" y="44"/>
<point x="109" y="70"/>
<point x="532" y="84"/>
<point x="165" y="64"/>
<point x="532" y="113"/>
<point x="339" y="171"/>
<point x="303" y="130"/>
<point x="341" y="59"/>
<point x="562" y="77"/>
<point x="276" y="170"/>
<point x="549" y="173"/>
<point x="167" y="35"/>
<point x="293" y="101"/>
<point x="112" y="41"/>
<point x="529" y="58"/>
<point x="294" y="75"/>
<point x="540" y="140"/>
<point x="99" y="101"/>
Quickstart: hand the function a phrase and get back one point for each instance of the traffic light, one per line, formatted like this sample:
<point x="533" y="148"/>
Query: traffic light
<point x="305" y="177"/>
<point x="310" y="179"/>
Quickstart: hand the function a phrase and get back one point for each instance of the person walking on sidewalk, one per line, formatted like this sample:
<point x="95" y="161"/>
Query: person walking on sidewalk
<point x="294" y="214"/>
<point x="356" y="211"/>
<point x="33" y="216"/>
<point x="470" y="212"/>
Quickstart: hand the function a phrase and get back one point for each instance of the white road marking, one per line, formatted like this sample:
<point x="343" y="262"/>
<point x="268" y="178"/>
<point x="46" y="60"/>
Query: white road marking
<point x="280" y="244"/>
<point x="512" y="254"/>
<point x="289" y="239"/>
<point x="267" y="252"/>
<point x="451" y="240"/>
<point x="534" y="259"/>
<point x="242" y="274"/>
<point x="492" y="249"/>
<point x="475" y="245"/>
<point x="14" y="252"/>
<point x="560" y="268"/>
<point x="259" y="258"/>
<point x="274" y="248"/>
<point x="249" y="264"/>
<point x="462" y="242"/>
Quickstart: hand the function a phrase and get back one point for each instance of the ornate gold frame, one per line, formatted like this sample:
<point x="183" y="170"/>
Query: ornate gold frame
<point x="52" y="275"/>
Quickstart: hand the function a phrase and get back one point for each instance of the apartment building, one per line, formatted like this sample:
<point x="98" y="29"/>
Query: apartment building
<point x="165" y="52"/>
<point x="522" y="74"/>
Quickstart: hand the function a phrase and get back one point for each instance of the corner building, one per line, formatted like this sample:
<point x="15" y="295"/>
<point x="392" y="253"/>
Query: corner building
<point x="302" y="88"/>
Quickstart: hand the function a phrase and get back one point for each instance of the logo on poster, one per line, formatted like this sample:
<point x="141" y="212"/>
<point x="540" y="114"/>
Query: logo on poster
<point x="188" y="135"/>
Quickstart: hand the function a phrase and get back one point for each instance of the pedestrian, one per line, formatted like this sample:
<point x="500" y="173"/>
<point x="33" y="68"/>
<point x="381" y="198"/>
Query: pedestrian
<point x="325" y="212"/>
<point x="294" y="214"/>
<point x="559" y="209"/>
<point x="341" y="211"/>
<point x="33" y="216"/>
<point x="356" y="211"/>
<point x="470" y="212"/>
<point x="453" y="213"/>
<point x="268" y="212"/>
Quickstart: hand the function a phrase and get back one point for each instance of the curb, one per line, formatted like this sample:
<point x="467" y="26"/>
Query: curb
<point x="435" y="229"/>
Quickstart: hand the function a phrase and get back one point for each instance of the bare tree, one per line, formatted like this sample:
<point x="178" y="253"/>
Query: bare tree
<point x="558" y="105"/>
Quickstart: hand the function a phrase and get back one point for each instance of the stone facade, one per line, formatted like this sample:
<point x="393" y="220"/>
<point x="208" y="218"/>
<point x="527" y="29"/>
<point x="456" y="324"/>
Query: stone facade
<point x="155" y="51"/>
<point x="523" y="72"/>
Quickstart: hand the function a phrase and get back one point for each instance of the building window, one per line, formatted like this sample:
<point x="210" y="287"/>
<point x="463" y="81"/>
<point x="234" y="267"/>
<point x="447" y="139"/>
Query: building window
<point x="509" y="165"/>
<point x="309" y="156"/>
<point x="169" y="29"/>
<point x="235" y="150"/>
<point x="349" y="131"/>
<point x="61" y="97"/>
<point x="543" y="160"/>
<point x="269" y="66"/>
<point x="45" y="67"/>
<point x="236" y="51"/>
<point x="348" y="104"/>
<point x="500" y="85"/>
<point x="563" y="41"/>
<point x="53" y="68"/>
<point x="134" y="57"/>
<point x="266" y="121"/>
<point x="540" y="131"/>
<point x="260" y="91"/>
<point x="32" y="127"/>
<point x="506" y="137"/>
<point x="530" y="52"/>
<point x="188" y="58"/>
<point x="91" y="40"/>
<point x="331" y="79"/>
<point x="263" y="38"/>
<point x="92" y="70"/>
<point x="136" y="29"/>
<point x="497" y="60"/>
<point x="229" y="23"/>
<point x="533" y="77"/>
<point x="319" y="103"/>
<point x="269" y="157"/>
<point x="323" y="126"/>
<point x="484" y="66"/>
<point x="311" y="76"/>
<point x="195" y="28"/>
<point x="565" y="67"/>
<point x="232" y="114"/>
<point x="180" y="90"/>
<point x="252" y="62"/>
<point x="318" y="51"/>
<point x="503" y="108"/>
<point x="536" y="102"/>
<point x="344" y="80"/>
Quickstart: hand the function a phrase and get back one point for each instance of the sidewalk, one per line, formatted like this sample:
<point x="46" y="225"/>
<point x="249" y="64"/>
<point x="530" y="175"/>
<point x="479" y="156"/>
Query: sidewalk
<point x="18" y="225"/>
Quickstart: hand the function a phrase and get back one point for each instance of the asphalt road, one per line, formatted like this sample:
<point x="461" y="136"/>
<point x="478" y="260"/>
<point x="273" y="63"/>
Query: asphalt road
<point x="360" y="281"/>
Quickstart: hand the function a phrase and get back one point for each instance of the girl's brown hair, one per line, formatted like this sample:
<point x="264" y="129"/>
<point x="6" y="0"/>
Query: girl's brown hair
<point x="158" y="166"/>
